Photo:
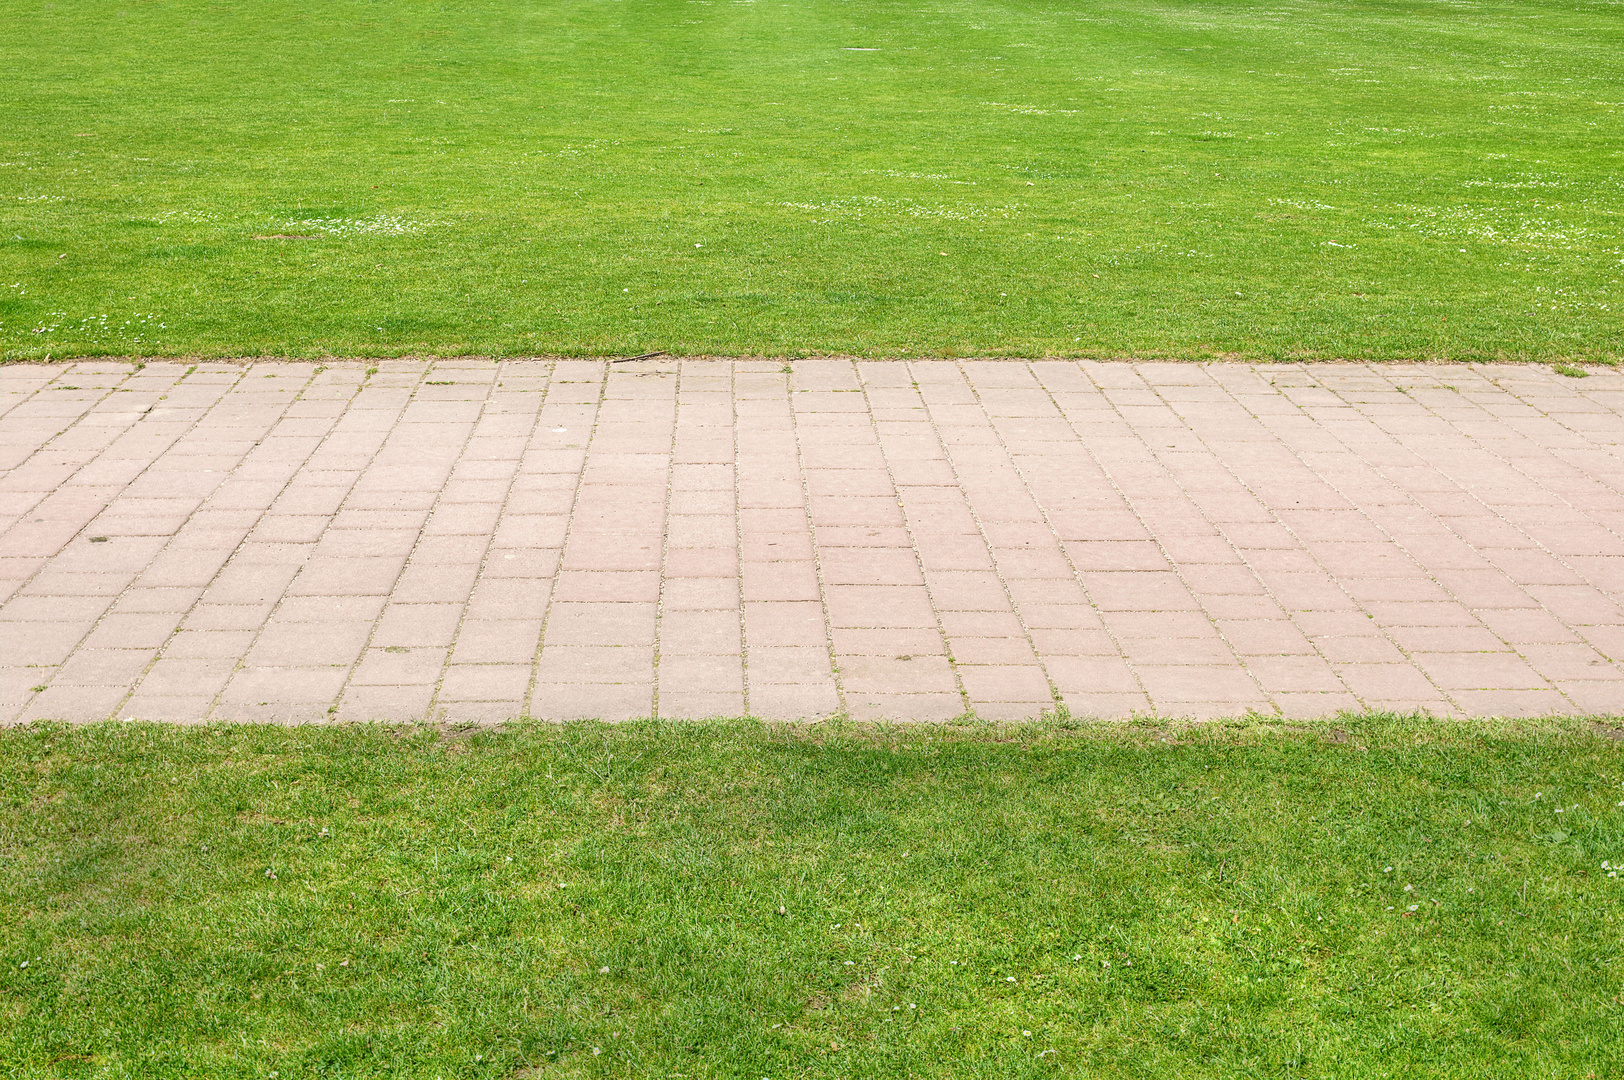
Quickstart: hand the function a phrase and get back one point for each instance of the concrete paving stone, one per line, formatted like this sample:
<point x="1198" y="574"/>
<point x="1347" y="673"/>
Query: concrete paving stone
<point x="1058" y="616"/>
<point x="133" y="630"/>
<point x="572" y="701"/>
<point x="140" y="600"/>
<point x="1386" y="681"/>
<point x="1511" y="702"/>
<point x="54" y="609"/>
<point x="1365" y="590"/>
<point x="209" y="616"/>
<point x="506" y="683"/>
<point x="209" y="644"/>
<point x="1314" y="706"/>
<point x="1577" y="604"/>
<point x="280" y="687"/>
<point x="1603" y="698"/>
<point x="1051" y="643"/>
<point x="782" y="580"/>
<point x="608" y="585"/>
<point x="1421" y="613"/>
<point x="1116" y="555"/>
<point x="497" y="641"/>
<point x="1093" y="675"/>
<point x="967" y="590"/>
<point x="329" y="609"/>
<point x="698" y="674"/>
<point x="1138" y="591"/>
<point x="345" y="543"/>
<point x="1279" y="675"/>
<point x="515" y="530"/>
<point x="869" y="566"/>
<point x="992" y="650"/>
<point x="907" y="673"/>
<point x="1327" y="523"/>
<point x="904" y="706"/>
<point x="1571" y="662"/>
<point x="75" y="701"/>
<point x="1606" y="639"/>
<point x="1220" y="579"/>
<point x="827" y="537"/>
<point x="509" y="598"/>
<point x="1202" y="652"/>
<point x="1464" y="639"/>
<point x="700" y="633"/>
<point x="1334" y="623"/>
<point x="333" y="576"/>
<point x="595" y="664"/>
<point x="878" y="605"/>
<point x="900" y="641"/>
<point x="705" y="593"/>
<point x="1005" y="682"/>
<point x="686" y="705"/>
<point x="1169" y="684"/>
<point x="391" y="665"/>
<point x="278" y="528"/>
<point x="1479" y="671"/>
<point x="520" y="564"/>
<point x="796" y="701"/>
<point x="609" y="552"/>
<point x="789" y="665"/>
<point x="105" y="666"/>
<point x="418" y="626"/>
<point x="245" y="584"/>
<point x="41" y="643"/>
<point x="294" y="644"/>
<point x="574" y="623"/>
<point x="187" y="676"/>
<point x="167" y="708"/>
<point x="1264" y="637"/>
<point x="1105" y="705"/>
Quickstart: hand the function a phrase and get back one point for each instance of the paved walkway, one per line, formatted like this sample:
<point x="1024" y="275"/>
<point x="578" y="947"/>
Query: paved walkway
<point x="475" y="541"/>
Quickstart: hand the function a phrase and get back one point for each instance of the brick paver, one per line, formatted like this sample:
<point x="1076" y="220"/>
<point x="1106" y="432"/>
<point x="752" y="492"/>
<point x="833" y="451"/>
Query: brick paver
<point x="470" y="540"/>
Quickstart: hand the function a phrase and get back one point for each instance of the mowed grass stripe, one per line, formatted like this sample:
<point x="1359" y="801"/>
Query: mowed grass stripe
<point x="1386" y="896"/>
<point x="1307" y="179"/>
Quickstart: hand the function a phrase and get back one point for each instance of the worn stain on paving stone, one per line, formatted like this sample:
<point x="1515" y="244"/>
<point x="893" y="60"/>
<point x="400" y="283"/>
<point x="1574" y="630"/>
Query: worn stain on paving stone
<point x="470" y="540"/>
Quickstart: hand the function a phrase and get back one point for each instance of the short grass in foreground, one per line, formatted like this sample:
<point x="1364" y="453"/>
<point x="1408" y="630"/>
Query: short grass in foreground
<point x="1391" y="897"/>
<point x="1312" y="178"/>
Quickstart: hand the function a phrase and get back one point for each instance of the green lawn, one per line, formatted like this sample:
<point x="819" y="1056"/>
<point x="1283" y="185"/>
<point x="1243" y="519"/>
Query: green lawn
<point x="1358" y="178"/>
<point x="1389" y="897"/>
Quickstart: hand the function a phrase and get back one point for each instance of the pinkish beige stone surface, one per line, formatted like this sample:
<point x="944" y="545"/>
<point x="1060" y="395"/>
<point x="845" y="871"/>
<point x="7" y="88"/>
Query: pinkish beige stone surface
<point x="474" y="541"/>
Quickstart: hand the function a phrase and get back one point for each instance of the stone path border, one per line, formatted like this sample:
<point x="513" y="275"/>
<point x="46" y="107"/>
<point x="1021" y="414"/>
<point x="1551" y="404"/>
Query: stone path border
<point x="473" y="540"/>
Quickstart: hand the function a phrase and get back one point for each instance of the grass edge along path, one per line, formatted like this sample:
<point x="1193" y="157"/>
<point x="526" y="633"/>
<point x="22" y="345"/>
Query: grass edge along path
<point x="1380" y="895"/>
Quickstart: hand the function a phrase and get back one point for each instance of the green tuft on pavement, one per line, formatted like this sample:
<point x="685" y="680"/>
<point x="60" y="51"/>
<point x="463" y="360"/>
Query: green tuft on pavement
<point x="1311" y="179"/>
<point x="1379" y="897"/>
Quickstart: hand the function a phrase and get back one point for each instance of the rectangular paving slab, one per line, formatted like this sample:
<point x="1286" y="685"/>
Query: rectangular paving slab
<point x="473" y="540"/>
